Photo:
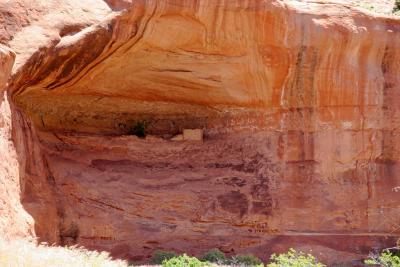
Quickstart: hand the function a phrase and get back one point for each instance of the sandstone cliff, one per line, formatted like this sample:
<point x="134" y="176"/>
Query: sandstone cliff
<point x="298" y="101"/>
<point x="14" y="221"/>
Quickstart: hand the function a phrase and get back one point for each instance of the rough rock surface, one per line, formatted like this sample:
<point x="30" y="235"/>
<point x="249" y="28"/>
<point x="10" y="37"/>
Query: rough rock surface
<point x="298" y="102"/>
<point x="31" y="27"/>
<point x="14" y="221"/>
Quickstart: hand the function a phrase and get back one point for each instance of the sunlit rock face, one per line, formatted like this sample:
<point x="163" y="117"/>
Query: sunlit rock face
<point x="14" y="221"/>
<point x="6" y="62"/>
<point x="299" y="105"/>
<point x="30" y="27"/>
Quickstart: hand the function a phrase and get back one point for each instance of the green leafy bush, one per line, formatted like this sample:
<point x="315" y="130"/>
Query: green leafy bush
<point x="184" y="261"/>
<point x="292" y="258"/>
<point x="214" y="255"/>
<point x="160" y="255"/>
<point x="139" y="129"/>
<point x="247" y="260"/>
<point x="385" y="259"/>
<point x="396" y="6"/>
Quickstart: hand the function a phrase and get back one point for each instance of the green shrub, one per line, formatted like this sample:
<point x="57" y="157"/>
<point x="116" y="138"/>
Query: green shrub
<point x="292" y="258"/>
<point x="160" y="255"/>
<point x="184" y="261"/>
<point x="214" y="255"/>
<point x="396" y="6"/>
<point x="139" y="129"/>
<point x="246" y="261"/>
<point x="385" y="259"/>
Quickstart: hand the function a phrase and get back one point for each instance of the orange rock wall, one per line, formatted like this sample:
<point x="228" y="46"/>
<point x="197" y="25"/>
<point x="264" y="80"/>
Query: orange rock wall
<point x="14" y="221"/>
<point x="29" y="27"/>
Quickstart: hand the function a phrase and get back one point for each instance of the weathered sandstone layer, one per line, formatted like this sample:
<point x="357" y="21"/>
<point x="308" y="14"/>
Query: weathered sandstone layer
<point x="31" y="27"/>
<point x="14" y="221"/>
<point x="299" y="102"/>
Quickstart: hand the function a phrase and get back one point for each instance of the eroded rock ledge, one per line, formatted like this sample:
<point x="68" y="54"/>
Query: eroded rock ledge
<point x="298" y="101"/>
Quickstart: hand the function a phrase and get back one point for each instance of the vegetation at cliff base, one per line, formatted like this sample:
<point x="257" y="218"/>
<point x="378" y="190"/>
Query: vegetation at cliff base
<point x="385" y="259"/>
<point x="246" y="260"/>
<point x="184" y="261"/>
<point x="294" y="259"/>
<point x="23" y="253"/>
<point x="214" y="255"/>
<point x="160" y="256"/>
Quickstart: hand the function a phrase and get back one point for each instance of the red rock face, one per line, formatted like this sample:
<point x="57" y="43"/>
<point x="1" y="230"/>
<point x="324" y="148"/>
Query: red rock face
<point x="299" y="106"/>
<point x="14" y="221"/>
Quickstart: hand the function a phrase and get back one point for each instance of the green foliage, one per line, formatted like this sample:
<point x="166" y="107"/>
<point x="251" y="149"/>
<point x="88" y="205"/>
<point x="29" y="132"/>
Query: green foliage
<point x="247" y="260"/>
<point x="214" y="255"/>
<point x="385" y="259"/>
<point x="292" y="258"/>
<point x="396" y="8"/>
<point x="397" y="5"/>
<point x="160" y="256"/>
<point x="139" y="129"/>
<point x="184" y="261"/>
